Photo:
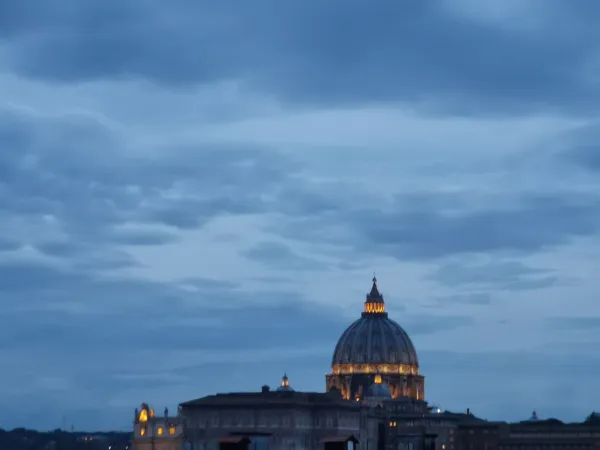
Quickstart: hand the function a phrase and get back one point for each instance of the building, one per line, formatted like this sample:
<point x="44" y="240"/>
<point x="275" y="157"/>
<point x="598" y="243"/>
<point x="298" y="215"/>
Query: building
<point x="152" y="432"/>
<point x="281" y="418"/>
<point x="374" y="365"/>
<point x="375" y="345"/>
<point x="551" y="434"/>
<point x="374" y="399"/>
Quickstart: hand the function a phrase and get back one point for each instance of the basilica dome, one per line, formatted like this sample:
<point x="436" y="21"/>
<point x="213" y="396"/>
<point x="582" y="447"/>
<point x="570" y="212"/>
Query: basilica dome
<point x="375" y="338"/>
<point x="374" y="355"/>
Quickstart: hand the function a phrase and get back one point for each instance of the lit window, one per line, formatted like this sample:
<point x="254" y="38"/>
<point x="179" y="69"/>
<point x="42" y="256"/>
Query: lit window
<point x="143" y="431"/>
<point x="160" y="431"/>
<point x="172" y="431"/>
<point x="143" y="415"/>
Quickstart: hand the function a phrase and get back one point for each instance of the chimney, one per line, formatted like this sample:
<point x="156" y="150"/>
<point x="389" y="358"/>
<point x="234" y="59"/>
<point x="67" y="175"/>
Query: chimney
<point x="265" y="389"/>
<point x="468" y="412"/>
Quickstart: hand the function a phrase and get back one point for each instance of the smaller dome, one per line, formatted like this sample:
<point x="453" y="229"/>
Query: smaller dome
<point x="379" y="389"/>
<point x="285" y="384"/>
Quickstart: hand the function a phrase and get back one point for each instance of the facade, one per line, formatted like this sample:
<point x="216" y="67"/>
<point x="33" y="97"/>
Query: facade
<point x="550" y="434"/>
<point x="280" y="419"/>
<point x="375" y="345"/>
<point x="151" y="432"/>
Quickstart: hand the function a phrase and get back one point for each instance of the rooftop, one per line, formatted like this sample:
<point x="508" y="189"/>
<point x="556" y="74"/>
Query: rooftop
<point x="268" y="398"/>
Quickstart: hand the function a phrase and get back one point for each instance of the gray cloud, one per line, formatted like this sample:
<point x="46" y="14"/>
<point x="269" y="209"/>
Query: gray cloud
<point x="410" y="229"/>
<point x="411" y="52"/>
<point x="425" y="324"/>
<point x="80" y="175"/>
<point x="575" y="323"/>
<point x="506" y="275"/>
<point x="587" y="157"/>
<point x="280" y="256"/>
<point x="478" y="298"/>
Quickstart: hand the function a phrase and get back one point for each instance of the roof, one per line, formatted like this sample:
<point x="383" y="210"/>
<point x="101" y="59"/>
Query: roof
<point x="375" y="338"/>
<point x="348" y="438"/>
<point x="233" y="439"/>
<point x="270" y="398"/>
<point x="466" y="419"/>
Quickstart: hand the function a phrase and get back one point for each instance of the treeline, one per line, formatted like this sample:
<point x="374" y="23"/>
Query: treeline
<point x="23" y="439"/>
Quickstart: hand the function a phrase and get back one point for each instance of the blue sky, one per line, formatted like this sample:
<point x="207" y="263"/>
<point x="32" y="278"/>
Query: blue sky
<point x="194" y="196"/>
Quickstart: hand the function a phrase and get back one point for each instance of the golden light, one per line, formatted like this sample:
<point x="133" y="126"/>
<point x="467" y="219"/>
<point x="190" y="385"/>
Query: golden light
<point x="143" y="431"/>
<point x="349" y="369"/>
<point x="172" y="430"/>
<point x="160" y="431"/>
<point x="374" y="307"/>
<point x="143" y="417"/>
<point x="378" y="379"/>
<point x="152" y="412"/>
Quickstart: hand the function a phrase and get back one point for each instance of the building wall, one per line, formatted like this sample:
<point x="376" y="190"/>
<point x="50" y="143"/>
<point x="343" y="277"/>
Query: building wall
<point x="293" y="428"/>
<point x="478" y="436"/>
<point x="558" y="436"/>
<point x="158" y="433"/>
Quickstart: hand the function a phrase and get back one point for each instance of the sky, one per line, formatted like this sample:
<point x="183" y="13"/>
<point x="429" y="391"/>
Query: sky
<point x="194" y="197"/>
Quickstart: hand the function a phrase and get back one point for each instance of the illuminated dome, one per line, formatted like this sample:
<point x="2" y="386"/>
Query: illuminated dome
<point x="374" y="338"/>
<point x="379" y="389"/>
<point x="285" y="384"/>
<point x="374" y="355"/>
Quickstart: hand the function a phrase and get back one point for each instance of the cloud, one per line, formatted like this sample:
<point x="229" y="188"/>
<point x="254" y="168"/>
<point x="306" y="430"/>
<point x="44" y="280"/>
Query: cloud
<point x="506" y="275"/>
<point x="576" y="323"/>
<point x="587" y="157"/>
<point x="78" y="178"/>
<point x="419" y="53"/>
<point x="178" y="203"/>
<point x="478" y="298"/>
<point x="280" y="256"/>
<point x="437" y="225"/>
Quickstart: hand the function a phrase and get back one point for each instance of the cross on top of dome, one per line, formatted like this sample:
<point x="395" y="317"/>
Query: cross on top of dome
<point x="374" y="294"/>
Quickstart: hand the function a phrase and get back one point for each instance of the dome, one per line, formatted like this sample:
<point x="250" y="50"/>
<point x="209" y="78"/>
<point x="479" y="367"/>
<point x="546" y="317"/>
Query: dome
<point x="379" y="389"/>
<point x="375" y="338"/>
<point x="285" y="384"/>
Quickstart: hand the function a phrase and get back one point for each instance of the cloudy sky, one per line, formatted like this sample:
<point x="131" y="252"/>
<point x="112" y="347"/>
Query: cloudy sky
<point x="194" y="196"/>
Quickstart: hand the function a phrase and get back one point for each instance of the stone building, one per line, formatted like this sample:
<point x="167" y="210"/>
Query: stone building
<point x="281" y="419"/>
<point x="152" y="432"/>
<point x="549" y="434"/>
<point x="375" y="345"/>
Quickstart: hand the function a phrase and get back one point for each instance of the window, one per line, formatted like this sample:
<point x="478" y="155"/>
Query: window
<point x="172" y="430"/>
<point x="143" y="430"/>
<point x="160" y="431"/>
